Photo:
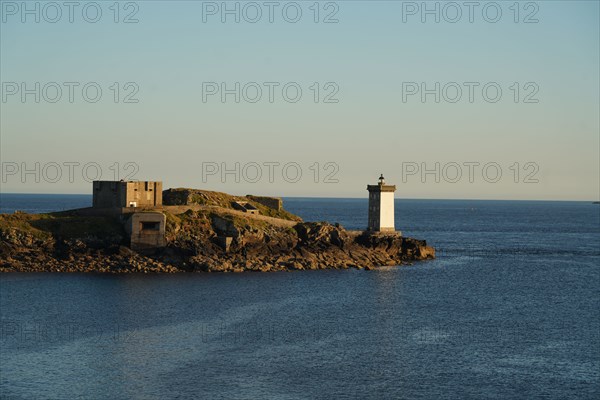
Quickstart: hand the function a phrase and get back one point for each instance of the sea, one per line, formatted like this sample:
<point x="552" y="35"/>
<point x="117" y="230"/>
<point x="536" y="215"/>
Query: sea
<point x="509" y="309"/>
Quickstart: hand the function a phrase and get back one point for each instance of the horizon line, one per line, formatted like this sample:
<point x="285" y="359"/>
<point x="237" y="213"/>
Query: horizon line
<point x="331" y="197"/>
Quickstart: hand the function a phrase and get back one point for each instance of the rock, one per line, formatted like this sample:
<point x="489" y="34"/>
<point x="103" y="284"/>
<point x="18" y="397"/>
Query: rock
<point x="125" y="251"/>
<point x="297" y="266"/>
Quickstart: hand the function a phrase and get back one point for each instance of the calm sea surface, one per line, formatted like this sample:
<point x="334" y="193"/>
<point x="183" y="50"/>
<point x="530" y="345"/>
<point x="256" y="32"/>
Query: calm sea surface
<point x="509" y="309"/>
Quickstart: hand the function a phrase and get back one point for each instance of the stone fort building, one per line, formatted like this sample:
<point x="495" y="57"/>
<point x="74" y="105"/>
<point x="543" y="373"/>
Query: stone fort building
<point x="138" y="204"/>
<point x="121" y="194"/>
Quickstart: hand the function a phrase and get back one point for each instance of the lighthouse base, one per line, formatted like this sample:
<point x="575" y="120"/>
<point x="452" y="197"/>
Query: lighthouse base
<point x="382" y="232"/>
<point x="387" y="230"/>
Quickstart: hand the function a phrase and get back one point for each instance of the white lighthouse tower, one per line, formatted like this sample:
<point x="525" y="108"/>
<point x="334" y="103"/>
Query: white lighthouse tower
<point x="381" y="206"/>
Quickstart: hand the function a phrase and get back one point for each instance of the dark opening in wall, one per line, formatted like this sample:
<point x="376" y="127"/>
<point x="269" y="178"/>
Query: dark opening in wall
<point x="150" y="226"/>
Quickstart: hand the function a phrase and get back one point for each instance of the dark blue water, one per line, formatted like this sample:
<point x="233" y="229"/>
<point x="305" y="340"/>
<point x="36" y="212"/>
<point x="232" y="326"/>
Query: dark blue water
<point x="42" y="203"/>
<point x="508" y="310"/>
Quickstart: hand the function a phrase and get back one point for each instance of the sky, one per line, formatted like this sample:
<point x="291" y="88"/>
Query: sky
<point x="480" y="100"/>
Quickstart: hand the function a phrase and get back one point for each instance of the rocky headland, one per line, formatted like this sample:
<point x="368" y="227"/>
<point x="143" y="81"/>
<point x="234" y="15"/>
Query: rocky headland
<point x="274" y="240"/>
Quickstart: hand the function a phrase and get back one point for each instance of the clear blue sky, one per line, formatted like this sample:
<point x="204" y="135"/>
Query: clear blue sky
<point x="370" y="54"/>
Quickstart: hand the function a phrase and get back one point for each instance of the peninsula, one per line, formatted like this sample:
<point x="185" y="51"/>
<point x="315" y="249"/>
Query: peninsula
<point x="136" y="227"/>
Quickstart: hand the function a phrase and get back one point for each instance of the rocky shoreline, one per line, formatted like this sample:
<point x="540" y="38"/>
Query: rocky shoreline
<point x="63" y="242"/>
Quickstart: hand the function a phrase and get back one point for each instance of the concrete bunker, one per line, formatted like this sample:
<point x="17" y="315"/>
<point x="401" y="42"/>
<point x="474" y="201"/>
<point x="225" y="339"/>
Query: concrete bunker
<point x="245" y="207"/>
<point x="146" y="230"/>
